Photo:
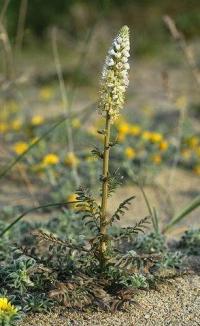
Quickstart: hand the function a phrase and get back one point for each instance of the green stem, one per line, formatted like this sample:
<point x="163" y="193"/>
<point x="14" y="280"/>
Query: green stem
<point x="104" y="200"/>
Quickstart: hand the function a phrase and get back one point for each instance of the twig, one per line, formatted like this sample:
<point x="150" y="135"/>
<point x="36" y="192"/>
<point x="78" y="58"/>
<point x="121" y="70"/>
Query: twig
<point x="174" y="164"/>
<point x="8" y="52"/>
<point x="182" y="44"/>
<point x="4" y="9"/>
<point x="21" y="24"/>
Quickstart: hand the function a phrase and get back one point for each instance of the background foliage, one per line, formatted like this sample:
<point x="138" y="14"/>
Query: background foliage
<point x="75" y="17"/>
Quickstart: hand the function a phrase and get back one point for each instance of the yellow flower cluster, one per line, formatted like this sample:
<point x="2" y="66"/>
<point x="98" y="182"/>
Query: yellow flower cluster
<point x="16" y="124"/>
<point x="196" y="169"/>
<point x="46" y="93"/>
<point x="20" y="147"/>
<point x="37" y="120"/>
<point x="154" y="137"/>
<point x="124" y="129"/>
<point x="50" y="159"/>
<point x="130" y="153"/>
<point x="6" y="308"/>
<point x="193" y="142"/>
<point x="71" y="160"/>
<point x="72" y="198"/>
<point x="156" y="159"/>
<point x="127" y="129"/>
<point x="191" y="152"/>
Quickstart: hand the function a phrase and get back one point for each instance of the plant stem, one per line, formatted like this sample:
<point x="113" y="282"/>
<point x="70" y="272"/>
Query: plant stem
<point x="104" y="200"/>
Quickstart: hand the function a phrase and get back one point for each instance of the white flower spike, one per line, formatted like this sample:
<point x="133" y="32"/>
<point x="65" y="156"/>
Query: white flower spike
<point x="114" y="81"/>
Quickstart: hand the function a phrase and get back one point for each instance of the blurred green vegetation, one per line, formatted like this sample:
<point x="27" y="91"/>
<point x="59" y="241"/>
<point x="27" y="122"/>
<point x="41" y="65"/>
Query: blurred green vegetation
<point x="76" y="16"/>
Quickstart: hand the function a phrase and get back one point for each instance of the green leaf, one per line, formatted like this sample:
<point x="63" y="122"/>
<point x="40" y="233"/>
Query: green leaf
<point x="121" y="209"/>
<point x="179" y="216"/>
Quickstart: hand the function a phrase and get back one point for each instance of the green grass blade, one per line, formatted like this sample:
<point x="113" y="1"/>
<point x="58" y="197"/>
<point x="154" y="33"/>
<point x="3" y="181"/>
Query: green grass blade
<point x="34" y="209"/>
<point x="178" y="217"/>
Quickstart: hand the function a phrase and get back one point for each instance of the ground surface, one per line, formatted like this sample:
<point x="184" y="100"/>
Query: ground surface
<point x="176" y="303"/>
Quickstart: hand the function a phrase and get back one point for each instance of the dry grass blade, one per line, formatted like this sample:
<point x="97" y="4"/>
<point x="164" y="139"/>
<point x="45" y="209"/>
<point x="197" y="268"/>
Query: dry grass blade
<point x="8" y="55"/>
<point x="180" y="40"/>
<point x="21" y="24"/>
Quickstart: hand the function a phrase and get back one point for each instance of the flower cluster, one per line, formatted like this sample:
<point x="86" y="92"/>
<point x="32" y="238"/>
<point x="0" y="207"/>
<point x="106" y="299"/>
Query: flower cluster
<point x="190" y="153"/>
<point x="7" y="311"/>
<point x="115" y="75"/>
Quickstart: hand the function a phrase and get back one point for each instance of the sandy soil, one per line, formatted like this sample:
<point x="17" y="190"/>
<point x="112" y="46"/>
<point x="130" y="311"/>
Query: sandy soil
<point x="176" y="303"/>
<point x="167" y="198"/>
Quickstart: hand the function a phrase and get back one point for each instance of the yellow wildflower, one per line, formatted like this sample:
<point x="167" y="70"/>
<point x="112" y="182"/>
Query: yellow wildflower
<point x="121" y="137"/>
<point x="6" y="308"/>
<point x="181" y="102"/>
<point x="157" y="159"/>
<point x="130" y="153"/>
<point x="156" y="137"/>
<point x="71" y="159"/>
<point x="193" y="141"/>
<point x="50" y="159"/>
<point x="163" y="145"/>
<point x="146" y="135"/>
<point x="46" y="93"/>
<point x="135" y="130"/>
<point x="37" y="120"/>
<point x="20" y="147"/>
<point x="123" y="128"/>
<point x="76" y="123"/>
<point x="196" y="169"/>
<point x="16" y="124"/>
<point x="186" y="153"/>
<point x="197" y="151"/>
<point x="3" y="127"/>
<point x="72" y="197"/>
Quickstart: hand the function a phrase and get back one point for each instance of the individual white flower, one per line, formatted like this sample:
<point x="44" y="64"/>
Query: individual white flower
<point x="124" y="59"/>
<point x="114" y="80"/>
<point x="116" y="46"/>
<point x="110" y="62"/>
<point x="112" y="52"/>
<point x="126" y="53"/>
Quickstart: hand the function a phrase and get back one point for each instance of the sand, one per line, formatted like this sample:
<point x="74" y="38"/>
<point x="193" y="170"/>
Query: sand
<point x="175" y="303"/>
